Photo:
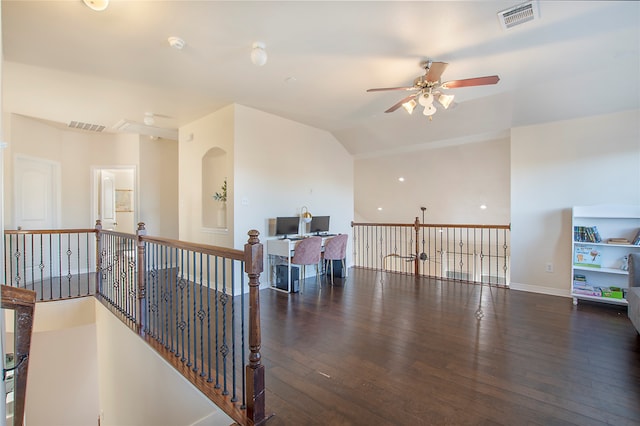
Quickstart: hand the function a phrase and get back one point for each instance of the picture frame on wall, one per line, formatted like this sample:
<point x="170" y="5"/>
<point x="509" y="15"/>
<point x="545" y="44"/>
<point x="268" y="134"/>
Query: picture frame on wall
<point x="124" y="200"/>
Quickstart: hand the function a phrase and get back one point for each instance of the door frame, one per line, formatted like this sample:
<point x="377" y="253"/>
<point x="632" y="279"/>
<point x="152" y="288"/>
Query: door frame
<point x="95" y="187"/>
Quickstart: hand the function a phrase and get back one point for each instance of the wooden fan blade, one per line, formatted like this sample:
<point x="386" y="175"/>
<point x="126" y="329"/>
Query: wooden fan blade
<point x="399" y="104"/>
<point x="435" y="71"/>
<point x="381" y="89"/>
<point x="467" y="82"/>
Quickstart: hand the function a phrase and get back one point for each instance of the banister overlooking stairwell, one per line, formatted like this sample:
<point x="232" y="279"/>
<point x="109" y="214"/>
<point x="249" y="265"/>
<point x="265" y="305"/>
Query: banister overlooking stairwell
<point x="188" y="301"/>
<point x="23" y="303"/>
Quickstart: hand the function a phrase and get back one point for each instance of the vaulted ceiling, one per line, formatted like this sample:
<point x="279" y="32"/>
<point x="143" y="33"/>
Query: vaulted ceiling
<point x="64" y="62"/>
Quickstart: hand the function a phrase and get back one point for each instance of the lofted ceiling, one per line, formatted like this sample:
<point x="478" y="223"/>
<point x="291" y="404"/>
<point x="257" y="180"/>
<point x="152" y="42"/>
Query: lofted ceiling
<point x="64" y="62"/>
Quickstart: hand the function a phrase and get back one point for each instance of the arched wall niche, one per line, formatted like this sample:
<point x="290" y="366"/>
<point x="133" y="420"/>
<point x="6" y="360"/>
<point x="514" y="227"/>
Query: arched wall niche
<point x="214" y="175"/>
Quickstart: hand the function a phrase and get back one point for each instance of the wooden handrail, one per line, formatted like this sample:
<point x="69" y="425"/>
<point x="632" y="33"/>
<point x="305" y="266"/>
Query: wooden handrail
<point x="23" y="302"/>
<point x="433" y="225"/>
<point x="48" y="231"/>
<point x="252" y="411"/>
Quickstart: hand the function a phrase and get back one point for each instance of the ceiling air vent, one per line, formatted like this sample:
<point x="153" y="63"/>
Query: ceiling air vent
<point x="86" y="126"/>
<point x="519" y="14"/>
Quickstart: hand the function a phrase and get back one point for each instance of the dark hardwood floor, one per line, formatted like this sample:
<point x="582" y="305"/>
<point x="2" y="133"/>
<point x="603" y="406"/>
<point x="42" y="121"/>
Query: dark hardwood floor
<point x="387" y="349"/>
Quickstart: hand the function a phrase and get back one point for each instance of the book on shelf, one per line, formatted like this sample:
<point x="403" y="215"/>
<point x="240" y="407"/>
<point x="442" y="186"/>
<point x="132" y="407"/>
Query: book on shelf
<point x="618" y="241"/>
<point x="588" y="256"/>
<point x="636" y="239"/>
<point x="586" y="234"/>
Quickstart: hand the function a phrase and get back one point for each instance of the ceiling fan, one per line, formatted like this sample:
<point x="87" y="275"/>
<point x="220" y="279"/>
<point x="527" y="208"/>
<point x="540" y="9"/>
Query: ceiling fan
<point x="429" y="87"/>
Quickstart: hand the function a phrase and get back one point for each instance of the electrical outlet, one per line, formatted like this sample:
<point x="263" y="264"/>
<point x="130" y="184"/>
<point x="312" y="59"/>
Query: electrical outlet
<point x="548" y="267"/>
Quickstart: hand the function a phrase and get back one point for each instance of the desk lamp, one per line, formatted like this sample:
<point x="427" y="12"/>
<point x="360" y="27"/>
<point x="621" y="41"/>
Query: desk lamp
<point x="305" y="215"/>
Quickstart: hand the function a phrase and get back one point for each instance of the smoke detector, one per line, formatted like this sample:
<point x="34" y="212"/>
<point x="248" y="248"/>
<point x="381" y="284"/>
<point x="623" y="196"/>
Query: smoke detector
<point x="176" y="42"/>
<point x="519" y="14"/>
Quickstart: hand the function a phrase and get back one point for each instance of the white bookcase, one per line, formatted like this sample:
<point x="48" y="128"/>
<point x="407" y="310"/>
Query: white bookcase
<point x="602" y="263"/>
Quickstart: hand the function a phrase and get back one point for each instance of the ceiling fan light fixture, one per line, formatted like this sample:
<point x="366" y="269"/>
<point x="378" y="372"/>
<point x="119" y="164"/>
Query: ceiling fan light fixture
<point x="409" y="106"/>
<point x="97" y="5"/>
<point x="445" y="100"/>
<point x="425" y="99"/>
<point x="429" y="110"/>
<point x="258" y="54"/>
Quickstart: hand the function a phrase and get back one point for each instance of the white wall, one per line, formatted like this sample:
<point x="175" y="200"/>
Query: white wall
<point x="62" y="383"/>
<point x="451" y="182"/>
<point x="558" y="165"/>
<point x="138" y="387"/>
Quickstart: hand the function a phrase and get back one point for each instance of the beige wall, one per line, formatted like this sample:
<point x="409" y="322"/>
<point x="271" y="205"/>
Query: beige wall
<point x="555" y="166"/>
<point x="79" y="152"/>
<point x="158" y="187"/>
<point x="277" y="166"/>
<point x="62" y="384"/>
<point x="451" y="182"/>
<point x="196" y="139"/>
<point x="281" y="165"/>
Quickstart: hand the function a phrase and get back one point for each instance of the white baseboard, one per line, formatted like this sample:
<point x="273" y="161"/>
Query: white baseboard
<point x="542" y="290"/>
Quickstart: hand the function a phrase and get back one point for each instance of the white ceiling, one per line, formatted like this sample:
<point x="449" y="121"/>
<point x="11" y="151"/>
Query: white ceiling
<point x="64" y="62"/>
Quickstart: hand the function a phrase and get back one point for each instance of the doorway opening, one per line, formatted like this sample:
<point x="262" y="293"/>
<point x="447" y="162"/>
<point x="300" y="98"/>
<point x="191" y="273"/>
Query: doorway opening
<point x="114" y="198"/>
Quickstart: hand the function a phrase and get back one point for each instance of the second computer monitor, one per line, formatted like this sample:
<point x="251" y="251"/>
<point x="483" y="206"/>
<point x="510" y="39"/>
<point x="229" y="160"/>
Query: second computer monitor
<point x="319" y="225"/>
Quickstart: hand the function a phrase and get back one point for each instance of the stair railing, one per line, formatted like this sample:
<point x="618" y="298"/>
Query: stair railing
<point x="23" y="302"/>
<point x="192" y="302"/>
<point x="457" y="252"/>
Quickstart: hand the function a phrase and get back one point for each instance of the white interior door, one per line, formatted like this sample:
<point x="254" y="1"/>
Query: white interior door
<point x="37" y="203"/>
<point x="108" y="200"/>
<point x="36" y="193"/>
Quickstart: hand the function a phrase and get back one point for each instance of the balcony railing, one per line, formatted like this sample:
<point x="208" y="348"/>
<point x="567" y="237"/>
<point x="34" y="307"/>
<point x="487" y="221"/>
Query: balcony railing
<point x="469" y="253"/>
<point x="197" y="305"/>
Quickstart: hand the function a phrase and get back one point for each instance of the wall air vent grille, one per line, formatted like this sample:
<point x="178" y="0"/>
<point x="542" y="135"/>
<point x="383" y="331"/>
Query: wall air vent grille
<point x="517" y="15"/>
<point x="86" y="126"/>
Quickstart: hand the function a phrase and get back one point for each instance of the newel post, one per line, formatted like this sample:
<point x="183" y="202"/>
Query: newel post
<point x="98" y="256"/>
<point x="253" y="257"/>
<point x="416" y="263"/>
<point x="142" y="289"/>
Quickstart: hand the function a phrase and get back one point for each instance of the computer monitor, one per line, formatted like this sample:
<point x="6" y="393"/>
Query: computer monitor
<point x="319" y="225"/>
<point x="287" y="226"/>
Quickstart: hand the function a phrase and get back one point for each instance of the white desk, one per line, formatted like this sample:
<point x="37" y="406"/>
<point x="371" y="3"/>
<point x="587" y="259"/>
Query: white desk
<point x="281" y="250"/>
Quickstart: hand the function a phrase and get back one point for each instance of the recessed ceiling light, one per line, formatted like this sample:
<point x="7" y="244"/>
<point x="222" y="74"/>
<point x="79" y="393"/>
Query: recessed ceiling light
<point x="379" y="209"/>
<point x="401" y="179"/>
<point x="483" y="206"/>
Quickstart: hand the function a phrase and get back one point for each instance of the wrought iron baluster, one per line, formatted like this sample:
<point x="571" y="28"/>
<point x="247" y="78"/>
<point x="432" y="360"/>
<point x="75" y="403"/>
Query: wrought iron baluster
<point x="217" y="323"/>
<point x="234" y="397"/>
<point x="181" y="324"/>
<point x="209" y="379"/>
<point x="224" y="349"/>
